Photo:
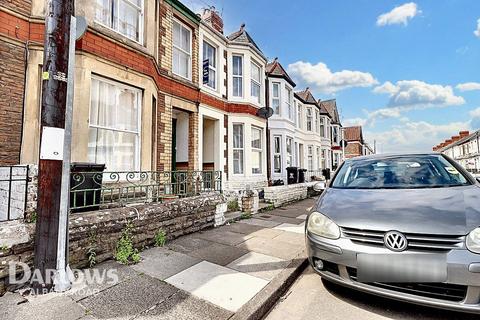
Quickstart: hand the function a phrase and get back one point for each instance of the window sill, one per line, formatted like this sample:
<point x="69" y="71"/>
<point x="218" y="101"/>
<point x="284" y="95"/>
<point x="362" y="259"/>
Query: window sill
<point x="117" y="36"/>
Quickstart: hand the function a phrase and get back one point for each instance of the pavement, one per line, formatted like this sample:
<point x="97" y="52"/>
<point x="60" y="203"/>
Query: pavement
<point x="231" y="271"/>
<point x="310" y="297"/>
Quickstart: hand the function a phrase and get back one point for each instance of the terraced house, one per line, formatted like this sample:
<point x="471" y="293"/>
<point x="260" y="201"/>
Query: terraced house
<point x="159" y="88"/>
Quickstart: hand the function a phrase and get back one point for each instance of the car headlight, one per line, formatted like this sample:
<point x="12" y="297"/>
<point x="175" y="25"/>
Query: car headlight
<point x="322" y="226"/>
<point x="473" y="241"/>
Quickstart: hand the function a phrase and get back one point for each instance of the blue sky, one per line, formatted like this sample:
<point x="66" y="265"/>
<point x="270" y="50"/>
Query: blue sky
<point x="395" y="67"/>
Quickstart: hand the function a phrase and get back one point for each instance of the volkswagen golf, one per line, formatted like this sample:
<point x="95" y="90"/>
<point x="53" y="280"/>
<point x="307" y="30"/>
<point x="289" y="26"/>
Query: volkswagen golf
<point x="405" y="227"/>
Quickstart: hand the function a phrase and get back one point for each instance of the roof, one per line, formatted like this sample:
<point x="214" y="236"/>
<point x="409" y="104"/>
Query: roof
<point x="331" y="107"/>
<point x="242" y="36"/>
<point x="306" y="96"/>
<point x="353" y="133"/>
<point x="184" y="10"/>
<point x="275" y="69"/>
<point x="461" y="141"/>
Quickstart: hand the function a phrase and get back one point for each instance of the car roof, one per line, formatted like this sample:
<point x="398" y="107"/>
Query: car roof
<point x="390" y="155"/>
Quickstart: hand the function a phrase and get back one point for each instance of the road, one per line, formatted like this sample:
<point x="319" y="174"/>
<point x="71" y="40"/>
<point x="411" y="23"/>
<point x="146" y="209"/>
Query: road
<point x="312" y="298"/>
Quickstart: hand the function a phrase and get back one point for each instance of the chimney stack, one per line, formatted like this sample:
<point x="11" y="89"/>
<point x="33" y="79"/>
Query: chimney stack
<point x="212" y="17"/>
<point x="464" y="134"/>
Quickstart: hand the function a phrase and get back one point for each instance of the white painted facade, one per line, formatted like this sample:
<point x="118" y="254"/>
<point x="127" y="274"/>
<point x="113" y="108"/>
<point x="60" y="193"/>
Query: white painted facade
<point x="466" y="152"/>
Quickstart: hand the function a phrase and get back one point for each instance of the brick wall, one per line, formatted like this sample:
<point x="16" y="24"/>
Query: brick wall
<point x="164" y="139"/>
<point x="193" y="141"/>
<point x="19" y="6"/>
<point x="12" y="80"/>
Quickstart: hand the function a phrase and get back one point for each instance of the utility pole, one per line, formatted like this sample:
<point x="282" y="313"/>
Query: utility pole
<point x="51" y="215"/>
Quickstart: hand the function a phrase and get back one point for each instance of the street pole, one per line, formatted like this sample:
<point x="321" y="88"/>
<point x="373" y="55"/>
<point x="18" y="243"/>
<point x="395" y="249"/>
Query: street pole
<point x="51" y="215"/>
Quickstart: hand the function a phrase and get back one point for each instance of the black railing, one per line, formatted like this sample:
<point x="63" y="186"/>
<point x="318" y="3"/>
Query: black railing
<point x="13" y="192"/>
<point x="94" y="190"/>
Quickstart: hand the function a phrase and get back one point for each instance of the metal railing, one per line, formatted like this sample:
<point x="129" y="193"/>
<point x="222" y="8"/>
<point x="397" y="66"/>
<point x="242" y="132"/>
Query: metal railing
<point x="474" y="171"/>
<point x="95" y="190"/>
<point x="13" y="192"/>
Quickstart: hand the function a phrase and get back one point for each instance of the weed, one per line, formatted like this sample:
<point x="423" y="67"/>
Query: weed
<point x="33" y="217"/>
<point x="3" y="247"/>
<point x="160" y="238"/>
<point x="246" y="215"/>
<point x="233" y="206"/>
<point x="125" y="252"/>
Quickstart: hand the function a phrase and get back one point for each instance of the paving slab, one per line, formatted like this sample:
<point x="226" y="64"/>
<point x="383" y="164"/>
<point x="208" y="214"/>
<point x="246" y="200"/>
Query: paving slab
<point x="183" y="306"/>
<point x="129" y="298"/>
<point x="83" y="289"/>
<point x="51" y="306"/>
<point x="224" y="287"/>
<point x="288" y="212"/>
<point x="219" y="253"/>
<point x="261" y="223"/>
<point x="243" y="228"/>
<point x="292" y="227"/>
<point x="188" y="244"/>
<point x="294" y="238"/>
<point x="162" y="263"/>
<point x="222" y="236"/>
<point x="267" y="233"/>
<point x="259" y="265"/>
<point x="280" y="219"/>
<point x="279" y="249"/>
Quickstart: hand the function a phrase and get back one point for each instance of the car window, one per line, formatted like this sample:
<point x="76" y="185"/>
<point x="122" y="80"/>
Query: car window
<point x="428" y="171"/>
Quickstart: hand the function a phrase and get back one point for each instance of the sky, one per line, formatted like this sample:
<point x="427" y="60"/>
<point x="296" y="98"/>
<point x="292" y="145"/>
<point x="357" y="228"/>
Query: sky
<point x="408" y="72"/>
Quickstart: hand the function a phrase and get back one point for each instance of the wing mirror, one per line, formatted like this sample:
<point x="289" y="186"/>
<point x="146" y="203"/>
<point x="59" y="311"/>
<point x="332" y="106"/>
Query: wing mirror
<point x="319" y="186"/>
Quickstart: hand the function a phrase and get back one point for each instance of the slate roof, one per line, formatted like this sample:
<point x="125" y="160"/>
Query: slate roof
<point x="306" y="96"/>
<point x="353" y="133"/>
<point x="275" y="69"/>
<point x="242" y="36"/>
<point x="331" y="107"/>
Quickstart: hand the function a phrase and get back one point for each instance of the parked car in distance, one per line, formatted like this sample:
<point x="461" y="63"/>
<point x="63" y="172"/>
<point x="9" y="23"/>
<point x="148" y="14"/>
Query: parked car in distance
<point x="405" y="227"/>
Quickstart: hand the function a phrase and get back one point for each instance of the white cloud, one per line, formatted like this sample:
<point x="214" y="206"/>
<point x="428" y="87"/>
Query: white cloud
<point x="410" y="94"/>
<point x="468" y="86"/>
<point x="399" y="15"/>
<point x="414" y="136"/>
<point x="354" y="122"/>
<point x="477" y="32"/>
<point x="321" y="78"/>
<point x="475" y="113"/>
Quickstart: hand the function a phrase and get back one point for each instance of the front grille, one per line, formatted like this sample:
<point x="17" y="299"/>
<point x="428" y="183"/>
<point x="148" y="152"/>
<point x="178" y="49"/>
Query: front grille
<point x="416" y="241"/>
<point x="442" y="291"/>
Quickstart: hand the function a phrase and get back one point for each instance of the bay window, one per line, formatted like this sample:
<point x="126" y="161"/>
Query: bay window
<point x="276" y="97"/>
<point x="210" y="54"/>
<point x="114" y="130"/>
<point x="299" y="116"/>
<point x="317" y="121"/>
<point x="237" y="76"/>
<point x="322" y="127"/>
<point x="182" y="50"/>
<point x="319" y="158"/>
<point x="289" y="147"/>
<point x="309" y="119"/>
<point x="238" y="148"/>
<point x="310" y="158"/>
<point x="255" y="83"/>
<point x="256" y="150"/>
<point x="277" y="154"/>
<point x="289" y="102"/>
<point x="123" y="16"/>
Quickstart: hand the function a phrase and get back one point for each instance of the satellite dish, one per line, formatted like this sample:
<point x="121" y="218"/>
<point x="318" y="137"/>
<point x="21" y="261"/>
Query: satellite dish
<point x="81" y="26"/>
<point x="265" y="112"/>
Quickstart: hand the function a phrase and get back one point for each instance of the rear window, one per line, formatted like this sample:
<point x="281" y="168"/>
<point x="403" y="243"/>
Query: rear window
<point x="402" y="172"/>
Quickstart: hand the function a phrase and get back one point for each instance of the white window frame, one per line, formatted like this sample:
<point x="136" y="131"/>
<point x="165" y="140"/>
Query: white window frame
<point x="276" y="111"/>
<point x="242" y="148"/>
<point x="238" y="76"/>
<point x="309" y="118"/>
<point x="115" y="22"/>
<point x="277" y="153"/>
<point x="289" y="140"/>
<point x="322" y="127"/>
<point x="299" y="116"/>
<point x="319" y="158"/>
<point x="189" y="54"/>
<point x="310" y="157"/>
<point x="289" y="95"/>
<point x="138" y="133"/>
<point x="257" y="150"/>
<point x="317" y="121"/>
<point x="210" y="67"/>
<point x="324" y="158"/>
<point x="254" y="82"/>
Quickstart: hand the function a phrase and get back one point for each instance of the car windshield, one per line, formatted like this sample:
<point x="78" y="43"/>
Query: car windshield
<point x="401" y="172"/>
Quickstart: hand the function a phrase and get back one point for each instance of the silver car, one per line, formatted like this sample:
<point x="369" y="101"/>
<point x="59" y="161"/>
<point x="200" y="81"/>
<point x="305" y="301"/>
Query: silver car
<point x="405" y="227"/>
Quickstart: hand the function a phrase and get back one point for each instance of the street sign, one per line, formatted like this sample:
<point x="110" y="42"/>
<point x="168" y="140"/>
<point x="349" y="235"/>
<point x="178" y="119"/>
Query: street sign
<point x="206" y="71"/>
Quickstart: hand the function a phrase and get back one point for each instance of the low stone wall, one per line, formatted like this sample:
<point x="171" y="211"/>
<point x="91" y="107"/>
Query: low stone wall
<point x="101" y="230"/>
<point x="281" y="195"/>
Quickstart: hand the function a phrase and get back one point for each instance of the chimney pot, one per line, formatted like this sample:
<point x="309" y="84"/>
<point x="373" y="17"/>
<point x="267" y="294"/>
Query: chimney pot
<point x="213" y="18"/>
